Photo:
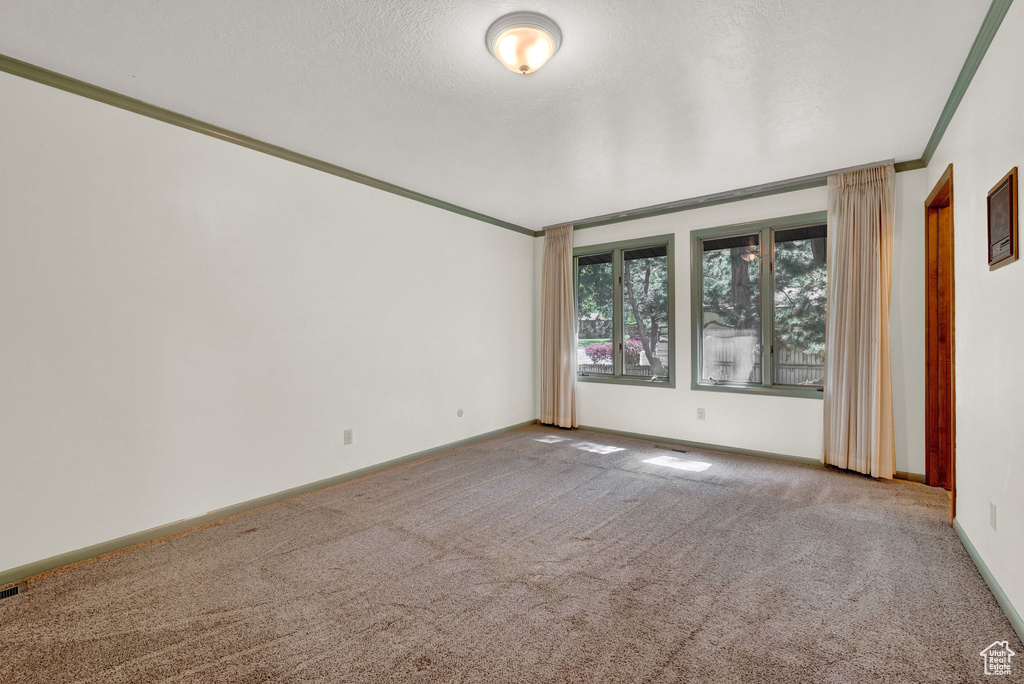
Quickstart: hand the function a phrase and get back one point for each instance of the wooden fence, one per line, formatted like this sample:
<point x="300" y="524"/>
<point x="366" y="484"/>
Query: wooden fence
<point x="797" y="368"/>
<point x="736" y="355"/>
<point x="785" y="373"/>
<point x="606" y="369"/>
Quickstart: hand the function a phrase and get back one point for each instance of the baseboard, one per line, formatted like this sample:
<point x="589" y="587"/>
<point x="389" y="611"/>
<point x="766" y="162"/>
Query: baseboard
<point x="911" y="477"/>
<point x="713" y="447"/>
<point x="997" y="591"/>
<point x="899" y="475"/>
<point x="97" y="552"/>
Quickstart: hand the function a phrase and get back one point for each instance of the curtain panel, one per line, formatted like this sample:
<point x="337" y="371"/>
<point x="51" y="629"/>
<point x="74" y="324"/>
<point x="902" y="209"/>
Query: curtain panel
<point x="858" y="432"/>
<point x="558" y="330"/>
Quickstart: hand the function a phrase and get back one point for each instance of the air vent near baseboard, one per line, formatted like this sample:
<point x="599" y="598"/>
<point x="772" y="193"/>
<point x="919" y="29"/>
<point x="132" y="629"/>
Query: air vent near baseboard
<point x="9" y="591"/>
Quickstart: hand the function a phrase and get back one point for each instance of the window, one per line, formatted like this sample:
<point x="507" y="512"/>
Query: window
<point x="759" y="306"/>
<point x="624" y="312"/>
<point x="595" y="314"/>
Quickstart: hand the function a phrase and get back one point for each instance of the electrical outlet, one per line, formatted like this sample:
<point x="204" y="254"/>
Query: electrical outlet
<point x="348" y="436"/>
<point x="700" y="414"/>
<point x="992" y="514"/>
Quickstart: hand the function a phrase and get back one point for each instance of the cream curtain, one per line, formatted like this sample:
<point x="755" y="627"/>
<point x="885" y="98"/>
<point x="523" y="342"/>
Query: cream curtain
<point x="558" y="330"/>
<point x="858" y="380"/>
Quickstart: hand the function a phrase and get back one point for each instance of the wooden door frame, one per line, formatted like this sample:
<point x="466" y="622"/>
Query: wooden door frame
<point x="940" y="197"/>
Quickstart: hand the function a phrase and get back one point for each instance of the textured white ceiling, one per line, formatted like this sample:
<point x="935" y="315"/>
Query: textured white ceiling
<point x="647" y="101"/>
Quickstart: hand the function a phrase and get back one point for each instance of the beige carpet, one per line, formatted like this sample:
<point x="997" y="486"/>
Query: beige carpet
<point x="539" y="556"/>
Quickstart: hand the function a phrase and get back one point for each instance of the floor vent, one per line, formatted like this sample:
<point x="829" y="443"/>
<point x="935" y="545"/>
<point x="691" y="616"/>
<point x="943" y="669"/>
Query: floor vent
<point x="9" y="591"/>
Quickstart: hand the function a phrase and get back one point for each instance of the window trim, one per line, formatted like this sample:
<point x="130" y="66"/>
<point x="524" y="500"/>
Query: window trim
<point x="616" y="248"/>
<point x="766" y="230"/>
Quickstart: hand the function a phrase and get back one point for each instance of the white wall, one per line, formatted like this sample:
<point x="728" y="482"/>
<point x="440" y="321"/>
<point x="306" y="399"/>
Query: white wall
<point x="984" y="141"/>
<point x="782" y="425"/>
<point x="186" y="324"/>
<point x="906" y="322"/>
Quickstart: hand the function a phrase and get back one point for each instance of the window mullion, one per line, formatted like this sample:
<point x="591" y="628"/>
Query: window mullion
<point x="696" y="309"/>
<point x="617" y="313"/>
<point x="576" y="309"/>
<point x="767" y="306"/>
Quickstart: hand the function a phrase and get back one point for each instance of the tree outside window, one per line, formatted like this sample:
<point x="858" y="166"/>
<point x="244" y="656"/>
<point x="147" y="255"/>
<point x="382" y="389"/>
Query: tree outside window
<point x="623" y="294"/>
<point x="760" y="320"/>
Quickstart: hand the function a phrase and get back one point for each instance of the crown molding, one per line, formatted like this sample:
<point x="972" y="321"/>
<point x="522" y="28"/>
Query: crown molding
<point x="989" y="26"/>
<point x="92" y="92"/>
<point x="993" y="20"/>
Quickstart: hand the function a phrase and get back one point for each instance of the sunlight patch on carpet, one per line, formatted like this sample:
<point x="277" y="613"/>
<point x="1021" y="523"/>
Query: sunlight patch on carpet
<point x="597" y="448"/>
<point x="679" y="464"/>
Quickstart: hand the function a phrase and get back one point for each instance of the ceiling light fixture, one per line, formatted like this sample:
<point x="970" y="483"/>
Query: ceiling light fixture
<point x="523" y="41"/>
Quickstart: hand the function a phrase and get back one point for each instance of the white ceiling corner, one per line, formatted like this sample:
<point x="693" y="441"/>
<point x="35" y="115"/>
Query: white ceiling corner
<point x="647" y="101"/>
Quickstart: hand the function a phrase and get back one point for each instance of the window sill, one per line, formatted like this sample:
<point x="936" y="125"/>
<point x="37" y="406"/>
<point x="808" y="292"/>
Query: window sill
<point x="619" y="380"/>
<point x="796" y="392"/>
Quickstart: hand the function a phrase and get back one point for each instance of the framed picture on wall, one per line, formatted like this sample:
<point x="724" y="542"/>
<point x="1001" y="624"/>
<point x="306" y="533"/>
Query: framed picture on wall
<point x="1002" y="222"/>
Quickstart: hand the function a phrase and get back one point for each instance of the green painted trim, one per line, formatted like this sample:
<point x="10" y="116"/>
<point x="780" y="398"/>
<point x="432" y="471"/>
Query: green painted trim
<point x="765" y="391"/>
<point x="815" y="180"/>
<point x="623" y="380"/>
<point x="909" y="477"/>
<point x="912" y="165"/>
<point x="801" y="460"/>
<point x="993" y="19"/>
<point x="622" y="244"/>
<point x="701" y="202"/>
<point x="87" y="90"/>
<point x="618" y="313"/>
<point x="722" y="198"/>
<point x="25" y="572"/>
<point x="616" y="248"/>
<point x="997" y="591"/>
<point x="989" y="27"/>
<point x="766" y="230"/>
<point x="780" y="223"/>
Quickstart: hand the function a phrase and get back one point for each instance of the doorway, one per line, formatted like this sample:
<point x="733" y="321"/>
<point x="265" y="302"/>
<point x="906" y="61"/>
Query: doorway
<point x="940" y="360"/>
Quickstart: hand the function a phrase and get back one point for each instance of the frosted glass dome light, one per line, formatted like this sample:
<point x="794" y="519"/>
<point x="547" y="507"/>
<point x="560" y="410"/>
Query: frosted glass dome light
<point x="523" y="41"/>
